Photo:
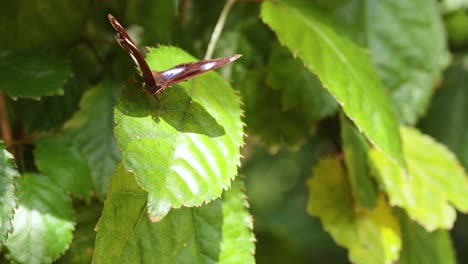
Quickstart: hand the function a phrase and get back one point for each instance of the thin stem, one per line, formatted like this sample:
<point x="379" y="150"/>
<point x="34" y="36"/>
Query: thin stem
<point x="218" y="28"/>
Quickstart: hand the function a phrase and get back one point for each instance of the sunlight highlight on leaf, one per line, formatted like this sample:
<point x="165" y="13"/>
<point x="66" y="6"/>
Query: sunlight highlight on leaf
<point x="434" y="186"/>
<point x="343" y="67"/>
<point x="8" y="173"/>
<point x="185" y="150"/>
<point x="42" y="223"/>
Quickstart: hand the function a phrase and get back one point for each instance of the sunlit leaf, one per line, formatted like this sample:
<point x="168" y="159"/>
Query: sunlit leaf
<point x="343" y="67"/>
<point x="453" y="5"/>
<point x="238" y="243"/>
<point x="7" y="192"/>
<point x="371" y="236"/>
<point x="32" y="73"/>
<point x="218" y="232"/>
<point x="185" y="150"/>
<point x="396" y="34"/>
<point x="42" y="223"/>
<point x="61" y="160"/>
<point x="91" y="129"/>
<point x="434" y="186"/>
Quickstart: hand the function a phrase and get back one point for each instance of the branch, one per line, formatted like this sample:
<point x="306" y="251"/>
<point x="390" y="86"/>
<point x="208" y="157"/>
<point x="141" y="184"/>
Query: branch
<point x="4" y="122"/>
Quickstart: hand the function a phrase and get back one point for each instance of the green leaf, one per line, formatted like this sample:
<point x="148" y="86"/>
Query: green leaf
<point x="184" y="151"/>
<point x="457" y="28"/>
<point x="62" y="161"/>
<point x="32" y="74"/>
<point x="446" y="117"/>
<point x="218" y="232"/>
<point x="409" y="64"/>
<point x="453" y="5"/>
<point x="299" y="87"/>
<point x="91" y="129"/>
<point x="158" y="19"/>
<point x="264" y="116"/>
<point x="434" y="185"/>
<point x="27" y="23"/>
<point x="343" y="67"/>
<point x="82" y="248"/>
<point x="396" y="32"/>
<point x="238" y="242"/>
<point x="8" y="201"/>
<point x="355" y="148"/>
<point x="278" y="206"/>
<point x="371" y="236"/>
<point x="420" y="246"/>
<point x="42" y="223"/>
<point x="285" y="172"/>
<point x="30" y="112"/>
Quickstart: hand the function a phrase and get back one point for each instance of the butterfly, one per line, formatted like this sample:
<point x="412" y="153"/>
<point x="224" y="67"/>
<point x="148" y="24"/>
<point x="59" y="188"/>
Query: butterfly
<point x="155" y="81"/>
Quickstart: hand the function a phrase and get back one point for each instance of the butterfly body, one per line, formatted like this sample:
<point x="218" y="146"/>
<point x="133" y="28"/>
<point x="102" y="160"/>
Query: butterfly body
<point x="156" y="81"/>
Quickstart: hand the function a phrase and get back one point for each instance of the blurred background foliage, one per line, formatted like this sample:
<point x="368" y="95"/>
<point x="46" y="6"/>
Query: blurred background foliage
<point x="291" y="121"/>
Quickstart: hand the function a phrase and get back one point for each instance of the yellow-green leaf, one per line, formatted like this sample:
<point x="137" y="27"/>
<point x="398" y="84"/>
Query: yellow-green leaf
<point x="371" y="236"/>
<point x="434" y="186"/>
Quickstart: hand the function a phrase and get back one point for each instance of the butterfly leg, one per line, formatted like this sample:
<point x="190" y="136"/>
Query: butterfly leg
<point x="155" y="96"/>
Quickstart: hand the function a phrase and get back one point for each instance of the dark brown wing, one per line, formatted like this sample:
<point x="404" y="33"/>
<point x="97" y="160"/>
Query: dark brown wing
<point x="186" y="71"/>
<point x="127" y="43"/>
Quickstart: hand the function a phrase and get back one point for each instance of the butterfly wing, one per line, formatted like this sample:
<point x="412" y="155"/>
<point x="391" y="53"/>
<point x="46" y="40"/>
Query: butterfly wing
<point x="159" y="81"/>
<point x="185" y="71"/>
<point x="124" y="40"/>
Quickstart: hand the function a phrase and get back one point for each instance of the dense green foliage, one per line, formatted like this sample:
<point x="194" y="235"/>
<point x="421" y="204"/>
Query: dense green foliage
<point x="339" y="135"/>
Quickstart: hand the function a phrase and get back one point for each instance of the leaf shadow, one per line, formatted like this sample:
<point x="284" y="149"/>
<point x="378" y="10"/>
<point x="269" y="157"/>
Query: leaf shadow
<point x="173" y="106"/>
